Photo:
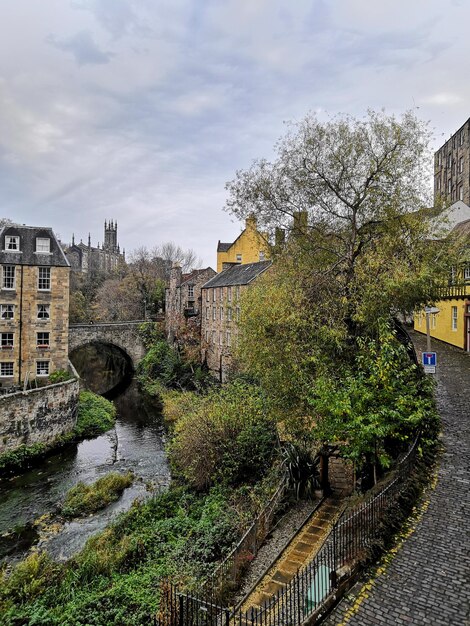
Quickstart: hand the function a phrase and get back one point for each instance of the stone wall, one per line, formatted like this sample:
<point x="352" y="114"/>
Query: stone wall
<point x="37" y="416"/>
<point x="124" y="335"/>
<point x="341" y="475"/>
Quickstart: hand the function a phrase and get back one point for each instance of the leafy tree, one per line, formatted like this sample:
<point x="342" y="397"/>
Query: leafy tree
<point x="353" y="195"/>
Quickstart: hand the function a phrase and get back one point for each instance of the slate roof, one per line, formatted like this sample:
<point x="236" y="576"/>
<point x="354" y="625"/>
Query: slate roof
<point x="223" y="247"/>
<point x="238" y="275"/>
<point x="27" y="254"/>
<point x="187" y="278"/>
<point x="462" y="228"/>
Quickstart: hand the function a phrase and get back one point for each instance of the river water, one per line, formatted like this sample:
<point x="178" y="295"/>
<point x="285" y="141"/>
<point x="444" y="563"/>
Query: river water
<point x="135" y="444"/>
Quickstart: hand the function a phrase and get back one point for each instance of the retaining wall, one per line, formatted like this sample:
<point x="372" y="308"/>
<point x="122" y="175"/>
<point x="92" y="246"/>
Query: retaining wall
<point x="37" y="416"/>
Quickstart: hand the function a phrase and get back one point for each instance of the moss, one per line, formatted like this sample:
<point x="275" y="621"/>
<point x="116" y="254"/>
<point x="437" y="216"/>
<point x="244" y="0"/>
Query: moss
<point x="86" y="499"/>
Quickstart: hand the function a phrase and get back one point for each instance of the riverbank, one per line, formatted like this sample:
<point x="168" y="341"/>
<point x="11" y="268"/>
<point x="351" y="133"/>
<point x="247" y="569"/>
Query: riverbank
<point x="134" y="444"/>
<point x="94" y="415"/>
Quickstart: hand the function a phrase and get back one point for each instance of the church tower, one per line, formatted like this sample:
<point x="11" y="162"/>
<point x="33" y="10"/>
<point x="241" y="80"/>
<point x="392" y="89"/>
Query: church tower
<point x="110" y="236"/>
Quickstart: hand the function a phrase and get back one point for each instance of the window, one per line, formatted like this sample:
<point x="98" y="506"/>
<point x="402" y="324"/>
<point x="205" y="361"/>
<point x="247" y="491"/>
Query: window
<point x="454" y="318"/>
<point x="190" y="291"/>
<point x="44" y="281"/>
<point x="214" y="297"/>
<point x="221" y="338"/>
<point x="42" y="368"/>
<point x="229" y="294"/>
<point x="238" y="313"/>
<point x="449" y="186"/>
<point x="12" y="243"/>
<point x="221" y="313"/>
<point x="44" y="311"/>
<point x="207" y="295"/>
<point x="439" y="158"/>
<point x="239" y="258"/>
<point x="237" y="292"/>
<point x="8" y="277"/>
<point x="213" y="336"/>
<point x="449" y="161"/>
<point x="42" y="340"/>
<point x="466" y="272"/>
<point x="229" y="314"/>
<point x="7" y="311"/>
<point x="6" y="369"/>
<point x="214" y="313"/>
<point x="43" y="244"/>
<point x="460" y="165"/>
<point x="6" y="341"/>
<point x="438" y="184"/>
<point x="452" y="275"/>
<point x="229" y="338"/>
<point x="461" y="192"/>
<point x="207" y="312"/>
<point x="461" y="138"/>
<point x="207" y="336"/>
<point x="261" y="255"/>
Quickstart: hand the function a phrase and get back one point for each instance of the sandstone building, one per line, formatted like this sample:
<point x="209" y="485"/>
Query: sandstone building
<point x="452" y="167"/>
<point x="34" y="304"/>
<point x="220" y="313"/>
<point x="183" y="298"/>
<point x="249" y="247"/>
<point x="85" y="258"/>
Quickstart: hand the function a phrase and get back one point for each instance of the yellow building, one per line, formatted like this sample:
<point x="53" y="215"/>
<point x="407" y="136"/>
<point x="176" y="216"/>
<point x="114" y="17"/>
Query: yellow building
<point x="452" y="323"/>
<point x="250" y="246"/>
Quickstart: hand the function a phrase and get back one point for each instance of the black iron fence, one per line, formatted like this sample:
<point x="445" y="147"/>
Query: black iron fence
<point x="352" y="538"/>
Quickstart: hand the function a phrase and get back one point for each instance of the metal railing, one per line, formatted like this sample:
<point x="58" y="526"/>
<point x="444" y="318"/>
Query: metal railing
<point x="228" y="573"/>
<point x="352" y="538"/>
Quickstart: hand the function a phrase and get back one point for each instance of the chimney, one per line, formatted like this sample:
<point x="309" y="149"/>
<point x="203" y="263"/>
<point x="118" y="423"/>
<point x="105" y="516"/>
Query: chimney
<point x="175" y="276"/>
<point x="250" y="222"/>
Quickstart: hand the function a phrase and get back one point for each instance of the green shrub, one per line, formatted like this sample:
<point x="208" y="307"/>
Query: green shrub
<point x="85" y="499"/>
<point x="96" y="415"/>
<point x="21" y="455"/>
<point x="224" y="437"/>
<point x="59" y="376"/>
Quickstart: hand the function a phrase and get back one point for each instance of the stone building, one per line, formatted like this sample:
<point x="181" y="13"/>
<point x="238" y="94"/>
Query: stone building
<point x="183" y="298"/>
<point x="220" y="313"/>
<point x="452" y="168"/>
<point x="34" y="304"/>
<point x="249" y="247"/>
<point x="108" y="258"/>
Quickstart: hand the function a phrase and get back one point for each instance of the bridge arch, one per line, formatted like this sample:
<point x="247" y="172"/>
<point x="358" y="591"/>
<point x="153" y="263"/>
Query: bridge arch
<point x="123" y="335"/>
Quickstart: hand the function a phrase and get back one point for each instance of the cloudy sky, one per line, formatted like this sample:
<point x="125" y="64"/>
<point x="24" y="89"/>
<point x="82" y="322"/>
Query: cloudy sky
<point x="141" y="110"/>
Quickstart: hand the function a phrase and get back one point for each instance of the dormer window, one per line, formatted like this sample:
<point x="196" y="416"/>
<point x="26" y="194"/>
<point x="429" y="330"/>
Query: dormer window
<point x="12" y="243"/>
<point x="43" y="244"/>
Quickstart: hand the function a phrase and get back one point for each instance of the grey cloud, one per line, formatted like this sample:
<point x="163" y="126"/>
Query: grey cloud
<point x="82" y="47"/>
<point x="117" y="17"/>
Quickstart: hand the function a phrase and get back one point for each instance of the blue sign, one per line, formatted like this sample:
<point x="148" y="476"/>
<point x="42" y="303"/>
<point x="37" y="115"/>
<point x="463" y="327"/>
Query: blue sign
<point x="429" y="359"/>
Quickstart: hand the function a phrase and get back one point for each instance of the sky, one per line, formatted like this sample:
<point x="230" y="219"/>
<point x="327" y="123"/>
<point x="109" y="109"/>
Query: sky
<point x="141" y="110"/>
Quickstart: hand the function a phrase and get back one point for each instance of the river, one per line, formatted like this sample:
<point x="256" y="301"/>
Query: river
<point x="135" y="444"/>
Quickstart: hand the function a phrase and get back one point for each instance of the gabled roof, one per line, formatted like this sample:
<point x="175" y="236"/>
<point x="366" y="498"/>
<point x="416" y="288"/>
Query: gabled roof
<point x="192" y="276"/>
<point x="27" y="254"/>
<point x="223" y="247"/>
<point x="238" y="275"/>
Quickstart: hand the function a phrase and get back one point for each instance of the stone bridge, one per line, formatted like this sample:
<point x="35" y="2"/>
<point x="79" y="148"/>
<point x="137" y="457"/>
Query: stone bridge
<point x="123" y="335"/>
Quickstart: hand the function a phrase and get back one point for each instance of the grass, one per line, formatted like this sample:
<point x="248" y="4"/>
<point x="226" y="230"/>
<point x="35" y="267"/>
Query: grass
<point x="84" y="499"/>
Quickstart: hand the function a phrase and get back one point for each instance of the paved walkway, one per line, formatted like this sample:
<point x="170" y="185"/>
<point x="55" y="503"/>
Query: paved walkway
<point x="428" y="581"/>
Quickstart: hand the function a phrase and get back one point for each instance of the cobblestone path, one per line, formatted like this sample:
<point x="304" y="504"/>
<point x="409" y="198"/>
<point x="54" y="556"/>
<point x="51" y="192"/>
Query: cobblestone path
<point x="428" y="580"/>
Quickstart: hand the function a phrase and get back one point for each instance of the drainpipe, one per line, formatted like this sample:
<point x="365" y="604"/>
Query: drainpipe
<point x="21" y="327"/>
